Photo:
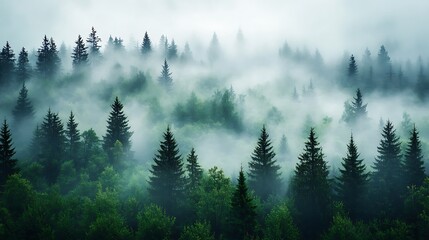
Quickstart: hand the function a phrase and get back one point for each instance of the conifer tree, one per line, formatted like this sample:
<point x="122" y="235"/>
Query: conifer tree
<point x="414" y="169"/>
<point x="146" y="48"/>
<point x="23" y="68"/>
<point x="172" y="51"/>
<point x="186" y="54"/>
<point x="55" y="61"/>
<point x="7" y="151"/>
<point x="355" y="111"/>
<point x="23" y="109"/>
<point x="214" y="49"/>
<point x="73" y="141"/>
<point x="79" y="55"/>
<point x="35" y="150"/>
<point x="387" y="178"/>
<point x="352" y="69"/>
<point x="352" y="181"/>
<point x="117" y="130"/>
<point x="195" y="172"/>
<point x="165" y="79"/>
<point x="48" y="61"/>
<point x="7" y="64"/>
<point x="243" y="211"/>
<point x="311" y="189"/>
<point x="167" y="183"/>
<point x="93" y="45"/>
<point x="264" y="176"/>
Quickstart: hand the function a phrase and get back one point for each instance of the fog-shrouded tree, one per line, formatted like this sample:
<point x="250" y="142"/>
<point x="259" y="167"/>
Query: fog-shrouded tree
<point x="73" y="142"/>
<point x="165" y="78"/>
<point x="414" y="169"/>
<point x="146" y="47"/>
<point x="118" y="44"/>
<point x="172" y="51"/>
<point x="79" y="55"/>
<point x="311" y="189"/>
<point x="387" y="181"/>
<point x="186" y="54"/>
<point x="264" y="175"/>
<point x="167" y="181"/>
<point x="8" y="164"/>
<point x="352" y="71"/>
<point x="117" y="130"/>
<point x="23" y="68"/>
<point x="94" y="46"/>
<point x="23" y="109"/>
<point x="214" y="50"/>
<point x="352" y="182"/>
<point x="48" y="61"/>
<point x="7" y="64"/>
<point x="355" y="111"/>
<point x="243" y="211"/>
<point x="195" y="172"/>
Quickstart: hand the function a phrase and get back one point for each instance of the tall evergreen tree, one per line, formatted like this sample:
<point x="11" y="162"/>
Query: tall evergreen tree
<point x="23" y="109"/>
<point x="7" y="64"/>
<point x="146" y="47"/>
<point x="414" y="169"/>
<point x="356" y="111"/>
<point x="73" y="141"/>
<point x="311" y="189"/>
<point x="264" y="176"/>
<point x="117" y="130"/>
<point x="243" y="211"/>
<point x="352" y="181"/>
<point x="167" y="183"/>
<point x="195" y="172"/>
<point x="7" y="151"/>
<point x="165" y="78"/>
<point x="23" y="69"/>
<point x="94" y="45"/>
<point x="79" y="55"/>
<point x="352" y="69"/>
<point x="52" y="143"/>
<point x="55" y="60"/>
<point x="48" y="61"/>
<point x="387" y="179"/>
<point x="35" y="151"/>
<point x="172" y="51"/>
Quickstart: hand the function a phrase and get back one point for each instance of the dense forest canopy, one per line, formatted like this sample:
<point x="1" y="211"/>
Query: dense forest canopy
<point x="225" y="134"/>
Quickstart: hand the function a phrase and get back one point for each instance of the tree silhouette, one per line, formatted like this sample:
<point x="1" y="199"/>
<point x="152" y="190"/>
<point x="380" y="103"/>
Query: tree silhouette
<point x="414" y="169"/>
<point x="7" y="151"/>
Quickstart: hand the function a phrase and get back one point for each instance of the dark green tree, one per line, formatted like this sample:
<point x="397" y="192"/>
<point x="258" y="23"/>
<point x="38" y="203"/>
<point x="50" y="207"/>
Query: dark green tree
<point x="356" y="111"/>
<point x="172" y="51"/>
<point x="243" y="211"/>
<point x="23" y="109"/>
<point x="48" y="61"/>
<point x="73" y="142"/>
<point x="264" y="176"/>
<point x="167" y="183"/>
<point x="352" y="69"/>
<point x="52" y="143"/>
<point x="311" y="189"/>
<point x="352" y="181"/>
<point x="154" y="223"/>
<point x="195" y="172"/>
<point x="7" y="64"/>
<point x="94" y="45"/>
<point x="117" y="130"/>
<point x="35" y="151"/>
<point x="79" y="55"/>
<point x="146" y="47"/>
<point x="23" y="69"/>
<point x="279" y="224"/>
<point x="414" y="169"/>
<point x="165" y="79"/>
<point x="387" y="179"/>
<point x="7" y="151"/>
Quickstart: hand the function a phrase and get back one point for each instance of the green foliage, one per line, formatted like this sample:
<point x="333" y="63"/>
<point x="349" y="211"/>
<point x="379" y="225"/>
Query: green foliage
<point x="73" y="142"/>
<point x="197" y="231"/>
<point x="165" y="78"/>
<point x="23" y="109"/>
<point x="279" y="224"/>
<point x="414" y="169"/>
<point x="195" y="172"/>
<point x="153" y="223"/>
<point x="7" y="64"/>
<point x="48" y="62"/>
<point x="80" y="55"/>
<point x="17" y="195"/>
<point x="7" y="151"/>
<point x="23" y="68"/>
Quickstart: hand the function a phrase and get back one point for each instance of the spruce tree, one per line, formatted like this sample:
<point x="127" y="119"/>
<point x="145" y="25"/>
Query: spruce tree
<point x="7" y="151"/>
<point x="54" y="59"/>
<point x="23" y="109"/>
<point x="165" y="78"/>
<point x="52" y="143"/>
<point x="352" y="69"/>
<point x="7" y="64"/>
<point x="356" y="111"/>
<point x="264" y="176"/>
<point x="48" y="61"/>
<point x="93" y="45"/>
<point x="23" y="69"/>
<point x="73" y="141"/>
<point x="172" y="51"/>
<point x="117" y="130"/>
<point x="311" y="189"/>
<point x="79" y="55"/>
<point x="414" y="169"/>
<point x="146" y="47"/>
<point x="387" y="179"/>
<point x="352" y="181"/>
<point x="243" y="211"/>
<point x="167" y="183"/>
<point x="195" y="172"/>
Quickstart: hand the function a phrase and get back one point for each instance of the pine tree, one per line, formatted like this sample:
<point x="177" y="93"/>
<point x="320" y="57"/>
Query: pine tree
<point x="23" y="109"/>
<point x="352" y="69"/>
<point x="352" y="181"/>
<point x="414" y="169"/>
<point x="48" y="61"/>
<point x="195" y="172"/>
<point x="356" y="111"/>
<point x="146" y="48"/>
<point x="73" y="141"/>
<point x="52" y="143"/>
<point x="118" y="44"/>
<point x="54" y="59"/>
<point x="167" y="183"/>
<point x="165" y="79"/>
<point x="387" y="178"/>
<point x="243" y="211"/>
<point x="117" y="130"/>
<point x="172" y="51"/>
<point x="79" y="55"/>
<point x="93" y="45"/>
<point x="264" y="176"/>
<point x="7" y="151"/>
<point x="23" y="68"/>
<point x="7" y="64"/>
<point x="311" y="189"/>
